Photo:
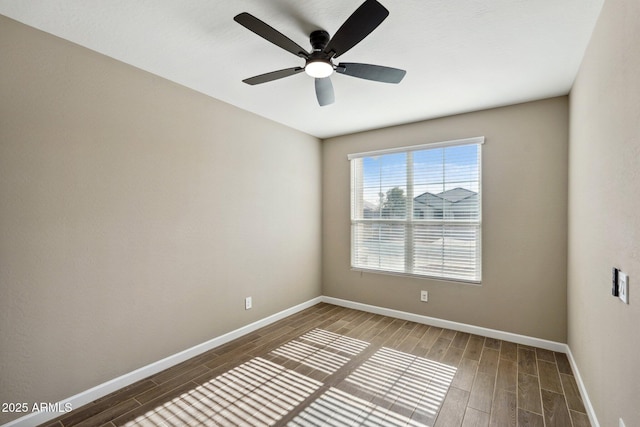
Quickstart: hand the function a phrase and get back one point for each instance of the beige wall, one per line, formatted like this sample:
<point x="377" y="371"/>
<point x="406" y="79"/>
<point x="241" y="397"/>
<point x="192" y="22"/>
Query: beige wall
<point x="129" y="207"/>
<point x="524" y="180"/>
<point x="604" y="214"/>
<point x="135" y="216"/>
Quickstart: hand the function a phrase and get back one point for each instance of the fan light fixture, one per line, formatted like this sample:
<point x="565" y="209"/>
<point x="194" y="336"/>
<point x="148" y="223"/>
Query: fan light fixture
<point x="325" y="49"/>
<point x="318" y="69"/>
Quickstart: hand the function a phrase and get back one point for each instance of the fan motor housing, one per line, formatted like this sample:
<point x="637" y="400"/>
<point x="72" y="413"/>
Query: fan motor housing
<point x="325" y="49"/>
<point x="319" y="40"/>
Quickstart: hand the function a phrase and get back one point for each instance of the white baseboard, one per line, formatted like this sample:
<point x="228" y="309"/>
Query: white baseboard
<point x="583" y="390"/>
<point x="462" y="327"/>
<point x="492" y="333"/>
<point x="108" y="387"/>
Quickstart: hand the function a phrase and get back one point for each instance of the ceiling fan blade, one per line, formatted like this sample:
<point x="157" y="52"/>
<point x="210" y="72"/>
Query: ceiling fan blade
<point x="358" y="26"/>
<point x="270" y="34"/>
<point x="377" y="73"/>
<point x="324" y="91"/>
<point x="274" y="75"/>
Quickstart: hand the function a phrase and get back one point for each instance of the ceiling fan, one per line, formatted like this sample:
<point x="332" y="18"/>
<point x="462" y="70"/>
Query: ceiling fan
<point x="319" y="62"/>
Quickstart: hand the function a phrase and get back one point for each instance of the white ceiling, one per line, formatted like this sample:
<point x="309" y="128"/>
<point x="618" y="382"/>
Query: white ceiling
<point x="460" y="55"/>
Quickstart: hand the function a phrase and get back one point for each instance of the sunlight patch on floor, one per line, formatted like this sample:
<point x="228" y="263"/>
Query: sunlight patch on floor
<point x="321" y="350"/>
<point x="333" y="341"/>
<point x="337" y="408"/>
<point x="257" y="392"/>
<point x="409" y="385"/>
<point x="390" y="388"/>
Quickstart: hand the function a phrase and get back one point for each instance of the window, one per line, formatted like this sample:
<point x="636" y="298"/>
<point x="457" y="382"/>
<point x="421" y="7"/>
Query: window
<point x="417" y="210"/>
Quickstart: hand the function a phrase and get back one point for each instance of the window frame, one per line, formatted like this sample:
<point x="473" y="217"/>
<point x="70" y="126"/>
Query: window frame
<point x="410" y="220"/>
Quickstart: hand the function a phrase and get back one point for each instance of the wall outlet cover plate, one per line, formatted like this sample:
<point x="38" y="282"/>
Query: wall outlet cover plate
<point x="424" y="296"/>
<point x="623" y="287"/>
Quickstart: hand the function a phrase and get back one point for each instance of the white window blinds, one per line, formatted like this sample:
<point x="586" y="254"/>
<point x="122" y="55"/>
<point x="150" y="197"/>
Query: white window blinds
<point x="417" y="210"/>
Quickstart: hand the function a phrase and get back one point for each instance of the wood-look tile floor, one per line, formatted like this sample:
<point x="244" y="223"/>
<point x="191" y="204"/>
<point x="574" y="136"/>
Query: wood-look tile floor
<point x="329" y="365"/>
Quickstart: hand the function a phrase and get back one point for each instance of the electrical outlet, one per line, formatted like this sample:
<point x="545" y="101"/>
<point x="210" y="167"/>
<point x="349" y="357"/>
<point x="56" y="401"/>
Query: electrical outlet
<point x="424" y="296"/>
<point x="623" y="287"/>
<point x="248" y="303"/>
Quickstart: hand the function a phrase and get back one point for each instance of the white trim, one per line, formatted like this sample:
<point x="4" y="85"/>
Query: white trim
<point x="417" y="276"/>
<point x="465" y="141"/>
<point x="110" y="386"/>
<point x="486" y="332"/>
<point x="462" y="327"/>
<point x="409" y="224"/>
<point x="591" y="413"/>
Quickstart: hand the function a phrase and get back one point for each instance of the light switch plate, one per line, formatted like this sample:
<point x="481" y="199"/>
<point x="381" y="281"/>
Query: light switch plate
<point x="623" y="287"/>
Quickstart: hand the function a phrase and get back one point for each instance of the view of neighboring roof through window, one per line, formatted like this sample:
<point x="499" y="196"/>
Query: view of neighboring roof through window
<point x="417" y="210"/>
